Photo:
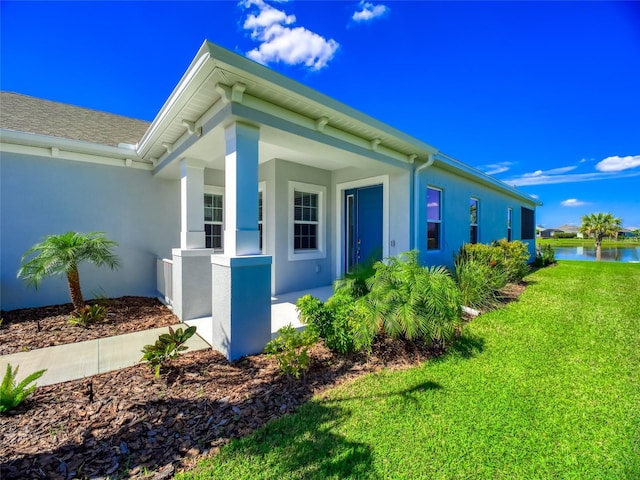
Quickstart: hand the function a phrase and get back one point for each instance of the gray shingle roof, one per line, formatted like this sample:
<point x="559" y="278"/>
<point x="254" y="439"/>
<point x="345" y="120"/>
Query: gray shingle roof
<point x="34" y="115"/>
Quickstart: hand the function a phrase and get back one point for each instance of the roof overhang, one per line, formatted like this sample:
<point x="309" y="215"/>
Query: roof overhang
<point x="13" y="141"/>
<point x="220" y="87"/>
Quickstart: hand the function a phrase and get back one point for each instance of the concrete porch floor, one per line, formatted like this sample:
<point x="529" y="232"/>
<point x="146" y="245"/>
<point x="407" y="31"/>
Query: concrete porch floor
<point x="283" y="311"/>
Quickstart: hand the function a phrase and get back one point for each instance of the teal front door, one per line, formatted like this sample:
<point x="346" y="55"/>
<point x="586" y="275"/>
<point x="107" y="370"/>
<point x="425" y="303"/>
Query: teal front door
<point x="363" y="225"/>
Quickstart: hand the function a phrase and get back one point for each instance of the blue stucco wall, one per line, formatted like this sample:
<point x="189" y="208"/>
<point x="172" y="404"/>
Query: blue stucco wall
<point x="41" y="196"/>
<point x="456" y="193"/>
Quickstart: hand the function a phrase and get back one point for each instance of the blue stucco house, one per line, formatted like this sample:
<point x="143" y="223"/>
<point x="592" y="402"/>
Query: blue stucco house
<point x="247" y="185"/>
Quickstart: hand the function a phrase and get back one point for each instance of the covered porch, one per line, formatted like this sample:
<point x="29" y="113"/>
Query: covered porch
<point x="273" y="165"/>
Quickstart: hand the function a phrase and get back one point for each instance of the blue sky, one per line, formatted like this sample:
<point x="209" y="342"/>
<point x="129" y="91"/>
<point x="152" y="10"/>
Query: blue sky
<point x="542" y="95"/>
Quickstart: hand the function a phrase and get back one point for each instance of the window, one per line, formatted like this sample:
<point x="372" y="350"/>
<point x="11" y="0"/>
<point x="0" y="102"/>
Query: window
<point x="509" y="218"/>
<point x="213" y="216"/>
<point x="305" y="206"/>
<point x="474" y="204"/>
<point x="527" y="226"/>
<point x="306" y="221"/>
<point x="434" y="218"/>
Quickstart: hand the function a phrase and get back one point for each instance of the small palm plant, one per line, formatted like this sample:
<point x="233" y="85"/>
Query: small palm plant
<point x="599" y="225"/>
<point x="407" y="300"/>
<point x="12" y="395"/>
<point x="61" y="254"/>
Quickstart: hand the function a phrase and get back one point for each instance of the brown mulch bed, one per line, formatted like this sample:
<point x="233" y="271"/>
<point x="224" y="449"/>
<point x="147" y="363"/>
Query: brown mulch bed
<point x="31" y="328"/>
<point x="129" y="424"/>
<point x="139" y="426"/>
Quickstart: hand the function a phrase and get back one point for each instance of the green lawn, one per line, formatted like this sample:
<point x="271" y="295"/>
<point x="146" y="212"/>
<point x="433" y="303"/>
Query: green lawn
<point x="546" y="388"/>
<point x="587" y="242"/>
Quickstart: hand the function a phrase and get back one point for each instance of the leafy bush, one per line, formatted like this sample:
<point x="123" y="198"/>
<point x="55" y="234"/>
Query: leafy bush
<point x="291" y="350"/>
<point x="564" y="235"/>
<point x="408" y="301"/>
<point x="515" y="258"/>
<point x="509" y="258"/>
<point x="479" y="283"/>
<point x="331" y="321"/>
<point x="89" y="314"/>
<point x="167" y="347"/>
<point x="12" y="395"/>
<point x="545" y="255"/>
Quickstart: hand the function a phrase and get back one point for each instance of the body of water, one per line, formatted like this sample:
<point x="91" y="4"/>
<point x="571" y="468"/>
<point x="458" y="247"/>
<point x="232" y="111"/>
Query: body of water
<point x="609" y="254"/>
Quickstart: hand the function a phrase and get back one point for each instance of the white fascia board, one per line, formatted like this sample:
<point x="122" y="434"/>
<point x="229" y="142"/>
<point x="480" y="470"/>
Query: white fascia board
<point x="449" y="163"/>
<point x="49" y="146"/>
<point x="259" y="74"/>
<point x="198" y="72"/>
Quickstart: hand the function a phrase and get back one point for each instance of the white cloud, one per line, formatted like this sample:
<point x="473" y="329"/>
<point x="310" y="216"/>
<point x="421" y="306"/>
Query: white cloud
<point x="544" y="179"/>
<point x="282" y="43"/>
<point x="572" y="202"/>
<point x="368" y="11"/>
<point x="553" y="171"/>
<point x="495" y="168"/>
<point x="617" y="164"/>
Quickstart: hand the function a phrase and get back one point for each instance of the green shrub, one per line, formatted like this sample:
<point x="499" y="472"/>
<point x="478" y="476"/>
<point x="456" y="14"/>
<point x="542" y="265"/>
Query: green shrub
<point x="545" y="255"/>
<point x="509" y="258"/>
<point x="331" y="321"/>
<point x="564" y="235"/>
<point x="12" y="395"/>
<point x="355" y="283"/>
<point x="408" y="301"/>
<point x="291" y="350"/>
<point x="89" y="314"/>
<point x="479" y="283"/>
<point x="515" y="259"/>
<point x="167" y="347"/>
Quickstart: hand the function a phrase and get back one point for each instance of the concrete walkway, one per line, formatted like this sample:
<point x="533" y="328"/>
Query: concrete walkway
<point x="83" y="359"/>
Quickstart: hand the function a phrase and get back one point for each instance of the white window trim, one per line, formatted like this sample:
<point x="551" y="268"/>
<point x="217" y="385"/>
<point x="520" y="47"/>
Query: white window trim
<point x="477" y="224"/>
<point x="441" y="221"/>
<point x="509" y="223"/>
<point x="319" y="252"/>
<point x="214" y="190"/>
<point x="262" y="188"/>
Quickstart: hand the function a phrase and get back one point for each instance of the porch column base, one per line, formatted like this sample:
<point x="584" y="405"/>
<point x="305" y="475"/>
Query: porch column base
<point x="241" y="304"/>
<point x="192" y="283"/>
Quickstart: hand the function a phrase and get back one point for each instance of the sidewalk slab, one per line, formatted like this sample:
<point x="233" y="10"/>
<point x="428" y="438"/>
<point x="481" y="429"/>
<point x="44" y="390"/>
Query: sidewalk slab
<point x="80" y="360"/>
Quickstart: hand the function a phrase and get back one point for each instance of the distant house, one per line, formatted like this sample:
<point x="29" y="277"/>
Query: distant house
<point x="626" y="233"/>
<point x="568" y="228"/>
<point x="247" y="184"/>
<point x="548" y="232"/>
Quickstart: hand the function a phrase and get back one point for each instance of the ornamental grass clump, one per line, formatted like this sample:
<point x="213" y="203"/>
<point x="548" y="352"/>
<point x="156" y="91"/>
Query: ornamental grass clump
<point x="478" y="282"/>
<point x="407" y="300"/>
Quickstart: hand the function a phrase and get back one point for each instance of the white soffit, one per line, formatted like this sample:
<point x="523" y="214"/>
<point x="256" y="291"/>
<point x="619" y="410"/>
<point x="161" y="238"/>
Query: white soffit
<point x="196" y="93"/>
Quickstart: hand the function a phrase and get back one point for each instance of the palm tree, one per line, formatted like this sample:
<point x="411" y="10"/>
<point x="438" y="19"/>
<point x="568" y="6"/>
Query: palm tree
<point x="598" y="225"/>
<point x="61" y="254"/>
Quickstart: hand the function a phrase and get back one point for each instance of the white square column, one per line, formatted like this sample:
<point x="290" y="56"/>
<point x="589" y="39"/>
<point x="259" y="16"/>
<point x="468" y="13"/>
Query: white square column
<point x="191" y="275"/>
<point x="241" y="278"/>
<point x="191" y="205"/>
<point x="241" y="235"/>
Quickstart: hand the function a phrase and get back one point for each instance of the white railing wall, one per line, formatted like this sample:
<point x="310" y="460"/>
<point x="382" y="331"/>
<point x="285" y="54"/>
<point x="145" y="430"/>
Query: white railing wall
<point x="164" y="282"/>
